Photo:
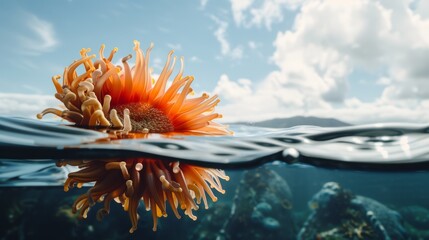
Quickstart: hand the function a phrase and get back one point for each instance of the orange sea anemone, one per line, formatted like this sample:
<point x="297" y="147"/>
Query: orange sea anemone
<point x="124" y="100"/>
<point x="129" y="99"/>
<point x="155" y="182"/>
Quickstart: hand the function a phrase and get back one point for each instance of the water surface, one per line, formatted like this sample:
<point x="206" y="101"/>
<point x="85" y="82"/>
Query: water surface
<point x="386" y="163"/>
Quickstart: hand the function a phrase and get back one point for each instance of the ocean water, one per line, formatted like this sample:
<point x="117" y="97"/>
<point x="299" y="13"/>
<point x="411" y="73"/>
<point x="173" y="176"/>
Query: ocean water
<point x="306" y="182"/>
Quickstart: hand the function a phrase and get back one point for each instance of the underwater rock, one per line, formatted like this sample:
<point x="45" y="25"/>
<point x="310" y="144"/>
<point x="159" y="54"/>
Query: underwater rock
<point x="416" y="219"/>
<point x="416" y="216"/>
<point x="339" y="214"/>
<point x="261" y="209"/>
<point x="212" y="222"/>
<point x="270" y="223"/>
<point x="29" y="213"/>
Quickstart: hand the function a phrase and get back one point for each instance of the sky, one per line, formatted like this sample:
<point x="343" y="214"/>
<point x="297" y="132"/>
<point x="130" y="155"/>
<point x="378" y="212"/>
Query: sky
<point x="359" y="61"/>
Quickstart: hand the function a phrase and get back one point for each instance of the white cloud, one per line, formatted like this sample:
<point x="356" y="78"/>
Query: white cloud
<point x="252" y="45"/>
<point x="245" y="102"/>
<point x="203" y="3"/>
<point x="248" y="102"/>
<point x="41" y="36"/>
<point x="238" y="8"/>
<point x="384" y="81"/>
<point x="25" y="105"/>
<point x="195" y="59"/>
<point x="226" y="49"/>
<point x="264" y="12"/>
<point x="330" y="39"/>
<point x="232" y="91"/>
<point x="422" y="8"/>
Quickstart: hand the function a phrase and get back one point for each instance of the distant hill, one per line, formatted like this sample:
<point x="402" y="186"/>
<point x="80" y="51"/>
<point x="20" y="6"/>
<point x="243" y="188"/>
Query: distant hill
<point x="297" y="120"/>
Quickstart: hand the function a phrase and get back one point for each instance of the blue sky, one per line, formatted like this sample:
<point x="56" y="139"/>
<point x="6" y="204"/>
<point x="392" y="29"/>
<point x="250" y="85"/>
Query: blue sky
<point x="184" y="26"/>
<point x="357" y="60"/>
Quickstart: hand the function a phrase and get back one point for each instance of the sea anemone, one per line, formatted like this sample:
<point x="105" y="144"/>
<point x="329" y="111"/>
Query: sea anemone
<point x="129" y="99"/>
<point x="155" y="182"/>
<point x="126" y="100"/>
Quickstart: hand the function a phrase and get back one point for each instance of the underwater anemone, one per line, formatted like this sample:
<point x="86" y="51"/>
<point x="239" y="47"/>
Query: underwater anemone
<point x="127" y="100"/>
<point x="155" y="182"/>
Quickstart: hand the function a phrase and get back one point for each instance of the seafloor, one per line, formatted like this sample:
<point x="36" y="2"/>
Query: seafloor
<point x="271" y="202"/>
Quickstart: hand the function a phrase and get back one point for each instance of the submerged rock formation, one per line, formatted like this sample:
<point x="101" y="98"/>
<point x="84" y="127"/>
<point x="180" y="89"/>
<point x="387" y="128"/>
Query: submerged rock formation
<point x="339" y="214"/>
<point x="211" y="222"/>
<point x="261" y="209"/>
<point x="416" y="220"/>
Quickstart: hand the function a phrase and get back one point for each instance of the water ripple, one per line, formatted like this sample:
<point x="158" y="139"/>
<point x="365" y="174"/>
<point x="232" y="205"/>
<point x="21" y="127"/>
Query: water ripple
<point x="369" y="147"/>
